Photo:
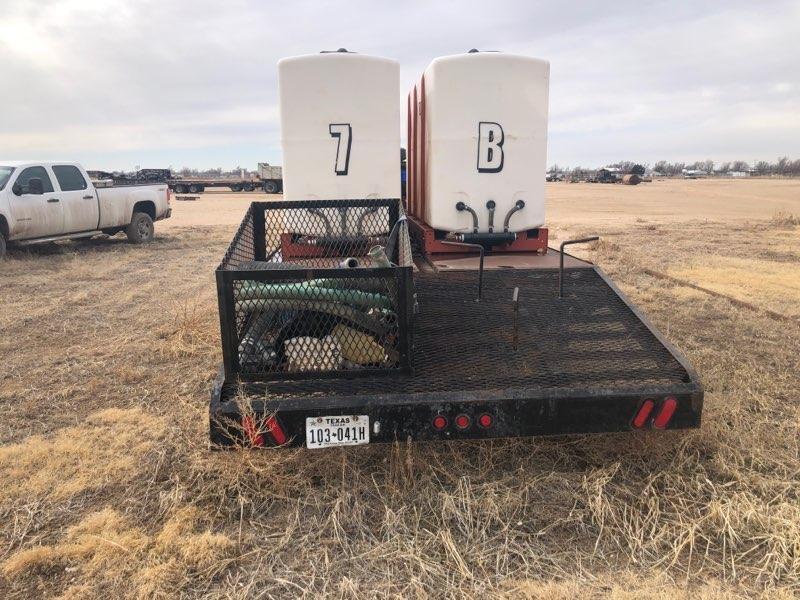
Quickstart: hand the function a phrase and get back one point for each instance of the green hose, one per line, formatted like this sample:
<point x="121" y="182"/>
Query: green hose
<point x="364" y="284"/>
<point x="311" y="290"/>
<point x="342" y="311"/>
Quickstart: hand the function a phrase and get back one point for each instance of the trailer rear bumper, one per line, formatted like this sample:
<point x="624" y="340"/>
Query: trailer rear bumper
<point x="239" y="414"/>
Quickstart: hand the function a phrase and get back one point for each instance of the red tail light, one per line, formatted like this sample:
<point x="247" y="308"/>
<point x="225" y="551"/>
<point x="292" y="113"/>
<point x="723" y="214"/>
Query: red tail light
<point x="251" y="431"/>
<point x="664" y="415"/>
<point x="439" y="422"/>
<point x="485" y="421"/>
<point x="462" y="421"/>
<point x="643" y="413"/>
<point x="274" y="427"/>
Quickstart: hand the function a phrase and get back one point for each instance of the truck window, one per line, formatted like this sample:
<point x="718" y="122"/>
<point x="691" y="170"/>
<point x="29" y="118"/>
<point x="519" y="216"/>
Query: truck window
<point x="69" y="178"/>
<point x="5" y="175"/>
<point x="21" y="185"/>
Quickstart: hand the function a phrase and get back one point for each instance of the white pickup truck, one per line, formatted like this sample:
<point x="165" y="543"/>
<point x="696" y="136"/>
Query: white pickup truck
<point x="48" y="201"/>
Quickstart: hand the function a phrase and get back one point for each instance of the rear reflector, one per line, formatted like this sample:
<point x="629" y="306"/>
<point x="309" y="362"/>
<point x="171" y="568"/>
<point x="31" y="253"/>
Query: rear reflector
<point x="462" y="421"/>
<point x="643" y="414"/>
<point x="251" y="431"/>
<point x="278" y="434"/>
<point x="664" y="415"/>
<point x="439" y="422"/>
<point x="485" y="421"/>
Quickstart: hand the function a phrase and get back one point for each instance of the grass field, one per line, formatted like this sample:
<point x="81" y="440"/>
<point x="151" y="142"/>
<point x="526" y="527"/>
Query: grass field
<point x="107" y="487"/>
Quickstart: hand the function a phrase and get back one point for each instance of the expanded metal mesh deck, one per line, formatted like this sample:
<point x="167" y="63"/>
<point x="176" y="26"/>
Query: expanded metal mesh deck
<point x="591" y="340"/>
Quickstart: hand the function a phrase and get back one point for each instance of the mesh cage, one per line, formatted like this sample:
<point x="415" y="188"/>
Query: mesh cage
<point x="317" y="288"/>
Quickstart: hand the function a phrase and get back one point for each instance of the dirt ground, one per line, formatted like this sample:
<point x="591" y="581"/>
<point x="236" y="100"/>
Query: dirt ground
<point x="585" y="204"/>
<point x="108" y="489"/>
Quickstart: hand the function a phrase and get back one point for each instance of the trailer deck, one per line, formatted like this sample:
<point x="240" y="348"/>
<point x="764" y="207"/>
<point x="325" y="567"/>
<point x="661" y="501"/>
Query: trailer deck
<point x="589" y="362"/>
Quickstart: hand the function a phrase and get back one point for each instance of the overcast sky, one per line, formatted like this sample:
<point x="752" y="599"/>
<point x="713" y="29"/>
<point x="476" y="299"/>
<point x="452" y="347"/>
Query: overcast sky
<point x="120" y="83"/>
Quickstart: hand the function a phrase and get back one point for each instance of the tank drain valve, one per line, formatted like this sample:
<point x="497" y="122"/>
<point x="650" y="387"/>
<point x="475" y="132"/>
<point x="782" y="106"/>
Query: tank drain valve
<point x="520" y="204"/>
<point x="491" y="205"/>
<point x="461" y="207"/>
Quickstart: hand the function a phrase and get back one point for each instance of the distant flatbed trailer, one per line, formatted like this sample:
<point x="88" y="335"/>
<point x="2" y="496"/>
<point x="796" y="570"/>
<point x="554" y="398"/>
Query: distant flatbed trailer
<point x="589" y="362"/>
<point x="198" y="186"/>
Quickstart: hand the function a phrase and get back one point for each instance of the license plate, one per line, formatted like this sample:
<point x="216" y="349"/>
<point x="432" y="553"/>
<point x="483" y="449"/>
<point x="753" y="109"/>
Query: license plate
<point x="340" y="430"/>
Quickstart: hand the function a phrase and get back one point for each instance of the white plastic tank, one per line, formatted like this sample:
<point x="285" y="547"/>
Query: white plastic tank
<point x="478" y="131"/>
<point x="340" y="127"/>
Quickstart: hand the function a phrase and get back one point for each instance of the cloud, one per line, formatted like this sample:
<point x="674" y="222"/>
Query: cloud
<point x="120" y="83"/>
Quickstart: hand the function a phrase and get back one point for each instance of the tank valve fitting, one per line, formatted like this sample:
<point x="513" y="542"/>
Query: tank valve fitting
<point x="520" y="204"/>
<point x="462" y="206"/>
<point x="378" y="256"/>
<point x="491" y="205"/>
<point x="349" y="263"/>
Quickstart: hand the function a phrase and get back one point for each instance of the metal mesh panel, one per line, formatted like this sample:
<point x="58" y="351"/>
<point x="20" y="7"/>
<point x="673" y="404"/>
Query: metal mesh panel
<point x="242" y="248"/>
<point x="591" y="340"/>
<point x="317" y="288"/>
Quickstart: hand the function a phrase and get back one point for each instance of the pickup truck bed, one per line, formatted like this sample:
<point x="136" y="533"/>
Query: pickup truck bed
<point x="586" y="363"/>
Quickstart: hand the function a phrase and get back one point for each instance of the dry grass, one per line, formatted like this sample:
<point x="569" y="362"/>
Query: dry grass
<point x="104" y="451"/>
<point x="108" y="488"/>
<point x="785" y="220"/>
<point x="776" y="285"/>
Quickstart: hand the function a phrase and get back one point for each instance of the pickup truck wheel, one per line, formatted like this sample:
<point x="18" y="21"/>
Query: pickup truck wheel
<point x="140" y="230"/>
<point x="271" y="187"/>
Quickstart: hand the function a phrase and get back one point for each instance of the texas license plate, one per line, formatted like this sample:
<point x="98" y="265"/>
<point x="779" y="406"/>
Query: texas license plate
<point x="340" y="430"/>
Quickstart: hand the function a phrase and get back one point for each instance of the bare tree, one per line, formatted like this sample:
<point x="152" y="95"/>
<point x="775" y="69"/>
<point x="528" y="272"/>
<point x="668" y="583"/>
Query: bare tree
<point x="740" y="165"/>
<point x="763" y="167"/>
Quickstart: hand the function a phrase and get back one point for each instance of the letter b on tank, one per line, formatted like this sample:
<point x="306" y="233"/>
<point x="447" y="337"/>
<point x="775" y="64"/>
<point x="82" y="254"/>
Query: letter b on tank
<point x="490" y="147"/>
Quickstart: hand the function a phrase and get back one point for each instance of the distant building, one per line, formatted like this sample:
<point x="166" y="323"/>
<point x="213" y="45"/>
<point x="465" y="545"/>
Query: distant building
<point x="694" y="174"/>
<point x="609" y="175"/>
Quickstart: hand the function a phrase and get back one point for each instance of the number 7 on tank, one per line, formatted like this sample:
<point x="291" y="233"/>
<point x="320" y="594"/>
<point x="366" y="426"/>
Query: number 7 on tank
<point x="344" y="140"/>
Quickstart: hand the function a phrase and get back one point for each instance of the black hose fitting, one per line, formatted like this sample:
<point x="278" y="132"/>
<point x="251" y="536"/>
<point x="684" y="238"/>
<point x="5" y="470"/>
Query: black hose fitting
<point x="462" y="206"/>
<point x="318" y="213"/>
<point x="520" y="204"/>
<point x="491" y="205"/>
<point x="360" y="223"/>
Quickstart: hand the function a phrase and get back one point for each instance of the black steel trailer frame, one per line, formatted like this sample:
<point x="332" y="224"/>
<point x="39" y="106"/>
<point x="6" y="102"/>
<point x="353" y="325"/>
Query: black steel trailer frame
<point x="589" y="362"/>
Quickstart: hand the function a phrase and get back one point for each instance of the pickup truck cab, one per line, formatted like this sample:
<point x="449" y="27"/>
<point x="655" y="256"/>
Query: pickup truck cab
<point x="49" y="201"/>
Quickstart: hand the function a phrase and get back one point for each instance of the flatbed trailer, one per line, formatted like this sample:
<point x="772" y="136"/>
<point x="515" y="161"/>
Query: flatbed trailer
<point x="197" y="186"/>
<point x="589" y="362"/>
